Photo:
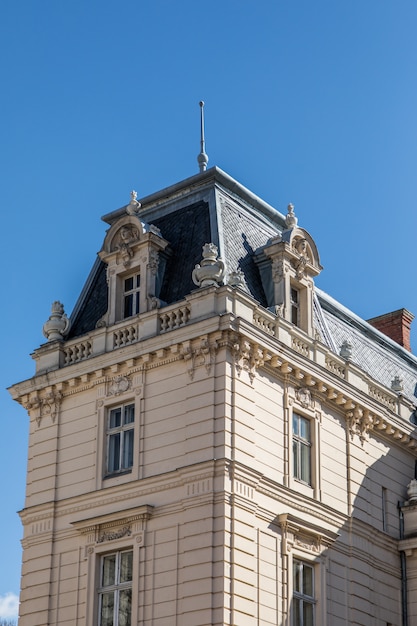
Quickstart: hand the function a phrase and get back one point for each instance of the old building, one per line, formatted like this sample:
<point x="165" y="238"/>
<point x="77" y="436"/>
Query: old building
<point x="213" y="440"/>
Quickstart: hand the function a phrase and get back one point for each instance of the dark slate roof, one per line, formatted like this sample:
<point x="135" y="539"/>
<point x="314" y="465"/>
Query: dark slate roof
<point x="378" y="355"/>
<point x="242" y="235"/>
<point x="92" y="304"/>
<point x="187" y="230"/>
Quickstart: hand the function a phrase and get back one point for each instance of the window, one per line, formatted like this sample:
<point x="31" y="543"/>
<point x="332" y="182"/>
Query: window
<point x="131" y="293"/>
<point x="120" y="431"/>
<point x="301" y="445"/>
<point x="115" y="592"/>
<point x="295" y="306"/>
<point x="303" y="594"/>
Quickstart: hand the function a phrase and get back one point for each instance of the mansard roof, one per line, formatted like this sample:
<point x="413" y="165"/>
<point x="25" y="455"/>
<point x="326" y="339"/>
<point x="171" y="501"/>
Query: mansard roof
<point x="213" y="207"/>
<point x="210" y="207"/>
<point x="378" y="355"/>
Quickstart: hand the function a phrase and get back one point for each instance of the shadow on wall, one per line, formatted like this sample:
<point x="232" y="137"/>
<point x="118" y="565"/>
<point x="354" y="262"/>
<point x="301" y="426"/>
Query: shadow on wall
<point x="352" y="574"/>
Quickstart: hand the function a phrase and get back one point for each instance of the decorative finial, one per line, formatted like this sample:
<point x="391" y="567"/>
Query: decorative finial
<point x="346" y="350"/>
<point x="397" y="384"/>
<point x="212" y="269"/>
<point x="133" y="206"/>
<point x="58" y="324"/>
<point x="290" y="219"/>
<point x="202" y="157"/>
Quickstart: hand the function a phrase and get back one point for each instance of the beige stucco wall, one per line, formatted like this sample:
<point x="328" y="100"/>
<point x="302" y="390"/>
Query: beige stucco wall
<point x="214" y="514"/>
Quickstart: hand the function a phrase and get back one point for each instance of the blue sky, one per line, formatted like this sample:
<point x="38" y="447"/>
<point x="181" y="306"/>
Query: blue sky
<point x="313" y="103"/>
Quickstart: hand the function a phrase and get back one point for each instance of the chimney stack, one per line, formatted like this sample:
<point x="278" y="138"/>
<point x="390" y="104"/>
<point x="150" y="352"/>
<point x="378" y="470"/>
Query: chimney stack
<point x="395" y="325"/>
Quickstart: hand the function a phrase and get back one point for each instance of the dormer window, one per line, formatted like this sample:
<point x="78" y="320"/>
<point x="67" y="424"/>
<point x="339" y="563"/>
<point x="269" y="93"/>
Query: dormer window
<point x="131" y="295"/>
<point x="288" y="265"/>
<point x="295" y="306"/>
<point x="132" y="251"/>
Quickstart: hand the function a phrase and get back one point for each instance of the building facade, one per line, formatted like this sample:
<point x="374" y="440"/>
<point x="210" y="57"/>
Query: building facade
<point x="214" y="440"/>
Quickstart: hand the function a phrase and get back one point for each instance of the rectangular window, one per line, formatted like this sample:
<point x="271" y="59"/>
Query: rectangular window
<point x="120" y="437"/>
<point x="295" y="306"/>
<point x="115" y="592"/>
<point x="131" y="293"/>
<point x="301" y="446"/>
<point x="303" y="594"/>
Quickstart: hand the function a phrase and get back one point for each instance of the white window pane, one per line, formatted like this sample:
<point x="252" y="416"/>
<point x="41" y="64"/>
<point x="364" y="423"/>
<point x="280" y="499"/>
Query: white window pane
<point x="307" y="614"/>
<point x="107" y="609"/>
<point x="127" y="449"/>
<point x="296" y="613"/>
<point x="125" y="607"/>
<point x="115" y="418"/>
<point x="308" y="580"/>
<point x="109" y="569"/>
<point x="114" y="453"/>
<point x="305" y="429"/>
<point x="305" y="463"/>
<point x="126" y="566"/>
<point x="129" y="414"/>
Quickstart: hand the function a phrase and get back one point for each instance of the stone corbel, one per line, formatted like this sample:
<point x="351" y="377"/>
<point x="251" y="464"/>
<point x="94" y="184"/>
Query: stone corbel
<point x="38" y="407"/>
<point x="204" y="354"/>
<point x="51" y="404"/>
<point x="360" y="422"/>
<point x="248" y="357"/>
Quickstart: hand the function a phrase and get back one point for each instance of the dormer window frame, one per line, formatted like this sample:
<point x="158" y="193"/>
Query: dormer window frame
<point x="130" y="298"/>
<point x="131" y="248"/>
<point x="294" y="262"/>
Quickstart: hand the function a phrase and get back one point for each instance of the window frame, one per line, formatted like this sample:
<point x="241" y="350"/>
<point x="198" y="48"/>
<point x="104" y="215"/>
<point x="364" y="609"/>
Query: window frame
<point x="132" y="294"/>
<point x="117" y="587"/>
<point x="300" y="445"/>
<point x="126" y="434"/>
<point x="299" y="596"/>
<point x="295" y="306"/>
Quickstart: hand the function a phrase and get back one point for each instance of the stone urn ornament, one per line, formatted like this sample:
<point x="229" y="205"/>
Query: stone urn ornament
<point x="57" y="326"/>
<point x="211" y="271"/>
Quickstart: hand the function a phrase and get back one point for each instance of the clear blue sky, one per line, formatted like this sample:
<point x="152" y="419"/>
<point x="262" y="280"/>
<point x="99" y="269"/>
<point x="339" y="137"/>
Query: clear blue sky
<point x="313" y="103"/>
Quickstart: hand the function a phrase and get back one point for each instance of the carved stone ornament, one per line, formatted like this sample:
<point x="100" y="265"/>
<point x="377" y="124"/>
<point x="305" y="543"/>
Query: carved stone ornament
<point x="41" y="407"/>
<point x="360" y="423"/>
<point x="126" y="531"/>
<point x="118" y="385"/>
<point x="236" y="279"/>
<point x="58" y="324"/>
<point x="247" y="357"/>
<point x="153" y="261"/>
<point x="301" y="250"/>
<point x="212" y="269"/>
<point x="304" y="397"/>
<point x="202" y="355"/>
<point x="128" y="235"/>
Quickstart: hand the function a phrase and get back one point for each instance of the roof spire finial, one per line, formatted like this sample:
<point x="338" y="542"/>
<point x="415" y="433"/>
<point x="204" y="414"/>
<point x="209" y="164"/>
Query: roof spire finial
<point x="202" y="157"/>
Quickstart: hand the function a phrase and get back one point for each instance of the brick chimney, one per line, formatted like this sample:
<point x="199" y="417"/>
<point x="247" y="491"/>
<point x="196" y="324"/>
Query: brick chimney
<point x="395" y="325"/>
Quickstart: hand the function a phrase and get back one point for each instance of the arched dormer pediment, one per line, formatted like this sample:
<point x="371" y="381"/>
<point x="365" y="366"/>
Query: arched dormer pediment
<point x="302" y="250"/>
<point x="135" y="267"/>
<point x="289" y="262"/>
